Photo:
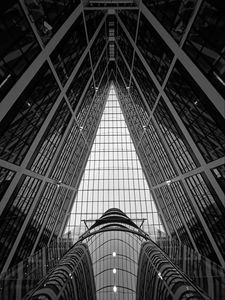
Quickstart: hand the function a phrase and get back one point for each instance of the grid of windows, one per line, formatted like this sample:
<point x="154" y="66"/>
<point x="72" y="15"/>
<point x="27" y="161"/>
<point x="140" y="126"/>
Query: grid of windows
<point x="18" y="45"/>
<point x="85" y="104"/>
<point x="210" y="207"/>
<point x="191" y="218"/>
<point x="79" y="82"/>
<point x="162" y="154"/>
<point x="129" y="19"/>
<point x="6" y="176"/>
<point x="51" y="222"/>
<point x="175" y="216"/>
<point x="139" y="103"/>
<point x="133" y="119"/>
<point x="147" y="145"/>
<point x="219" y="173"/>
<point x="93" y="19"/>
<point x="51" y="139"/>
<point x="123" y="68"/>
<point x="145" y="82"/>
<point x="98" y="45"/>
<point x="15" y="212"/>
<point x="125" y="45"/>
<point x="173" y="15"/>
<point x="100" y="69"/>
<point x="153" y="49"/>
<point x="35" y="223"/>
<point x="174" y="137"/>
<point x="68" y="52"/>
<point x="205" y="124"/>
<point x="113" y="176"/>
<point x="74" y="160"/>
<point x="205" y="43"/>
<point x="48" y="16"/>
<point x="20" y="126"/>
<point x="65" y="152"/>
<point x="166" y="214"/>
<point x="146" y="164"/>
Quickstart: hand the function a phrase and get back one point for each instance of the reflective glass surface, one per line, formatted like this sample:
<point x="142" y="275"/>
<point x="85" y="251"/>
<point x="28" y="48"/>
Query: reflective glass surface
<point x="113" y="177"/>
<point x="206" y="42"/>
<point x="18" y="45"/>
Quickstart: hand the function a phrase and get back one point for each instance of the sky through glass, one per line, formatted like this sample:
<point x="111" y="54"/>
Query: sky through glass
<point x="113" y="177"/>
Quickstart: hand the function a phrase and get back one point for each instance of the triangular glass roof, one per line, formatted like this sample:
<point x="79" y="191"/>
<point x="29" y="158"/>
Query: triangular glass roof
<point x="113" y="178"/>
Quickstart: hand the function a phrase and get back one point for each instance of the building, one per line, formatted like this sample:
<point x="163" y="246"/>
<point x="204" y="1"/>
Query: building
<point x="166" y="63"/>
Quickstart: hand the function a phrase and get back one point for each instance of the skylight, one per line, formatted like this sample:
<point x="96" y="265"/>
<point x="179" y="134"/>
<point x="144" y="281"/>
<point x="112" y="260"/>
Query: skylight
<point x="113" y="177"/>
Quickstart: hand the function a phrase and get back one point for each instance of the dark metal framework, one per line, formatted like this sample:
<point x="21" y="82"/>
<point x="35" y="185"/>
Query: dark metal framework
<point x="168" y="69"/>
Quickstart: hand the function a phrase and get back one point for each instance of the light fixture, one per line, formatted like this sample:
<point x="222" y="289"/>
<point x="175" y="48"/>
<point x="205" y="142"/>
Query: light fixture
<point x="115" y="289"/>
<point x="168" y="182"/>
<point x="160" y="276"/>
<point x="114" y="254"/>
<point x="114" y="271"/>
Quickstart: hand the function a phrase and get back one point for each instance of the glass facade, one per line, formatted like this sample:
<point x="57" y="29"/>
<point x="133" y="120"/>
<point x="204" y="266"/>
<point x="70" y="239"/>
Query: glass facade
<point x="113" y="177"/>
<point x="18" y="45"/>
<point x="161" y="160"/>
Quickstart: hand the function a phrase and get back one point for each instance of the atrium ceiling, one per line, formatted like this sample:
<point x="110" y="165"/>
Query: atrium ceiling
<point x="58" y="65"/>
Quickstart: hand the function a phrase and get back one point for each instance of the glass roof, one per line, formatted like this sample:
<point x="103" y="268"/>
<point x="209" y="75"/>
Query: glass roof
<point x="113" y="178"/>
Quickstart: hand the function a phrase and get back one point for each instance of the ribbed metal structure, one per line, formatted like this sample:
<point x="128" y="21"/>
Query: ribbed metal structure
<point x="166" y="61"/>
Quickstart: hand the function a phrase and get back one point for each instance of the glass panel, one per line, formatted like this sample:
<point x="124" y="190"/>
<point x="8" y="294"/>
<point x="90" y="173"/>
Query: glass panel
<point x="14" y="214"/>
<point x="48" y="16"/>
<point x="175" y="139"/>
<point x="154" y="49"/>
<point x="68" y="52"/>
<point x="206" y="42"/>
<point x="204" y="123"/>
<point x="219" y="173"/>
<point x="129" y="18"/>
<point x="113" y="177"/>
<point x="6" y="176"/>
<point x="93" y="19"/>
<point x="210" y="207"/>
<point x="125" y="45"/>
<point x="145" y="82"/>
<point x="192" y="220"/>
<point x="173" y="15"/>
<point x="52" y="218"/>
<point x="98" y="45"/>
<point x="147" y="146"/>
<point x="100" y="69"/>
<point x="47" y="147"/>
<point x="163" y="157"/>
<point x="139" y="103"/>
<point x="65" y="152"/>
<point x="35" y="223"/>
<point x="79" y="82"/>
<point x="18" y="45"/>
<point x="123" y="68"/>
<point x="85" y="105"/>
<point x="22" y="123"/>
<point x="71" y="168"/>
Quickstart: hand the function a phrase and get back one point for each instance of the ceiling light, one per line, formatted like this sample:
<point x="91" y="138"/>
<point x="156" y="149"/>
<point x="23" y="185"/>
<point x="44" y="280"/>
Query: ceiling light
<point x="114" y="271"/>
<point x="114" y="289"/>
<point x="114" y="254"/>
